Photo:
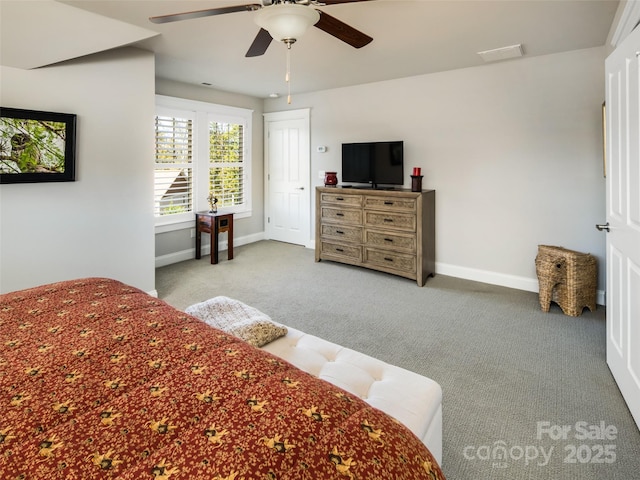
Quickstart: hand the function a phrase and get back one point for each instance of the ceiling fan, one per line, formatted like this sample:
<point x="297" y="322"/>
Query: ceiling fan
<point x="283" y="20"/>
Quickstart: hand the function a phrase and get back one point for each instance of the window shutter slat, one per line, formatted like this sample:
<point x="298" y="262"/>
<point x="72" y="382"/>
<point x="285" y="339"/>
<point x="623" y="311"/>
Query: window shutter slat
<point x="173" y="191"/>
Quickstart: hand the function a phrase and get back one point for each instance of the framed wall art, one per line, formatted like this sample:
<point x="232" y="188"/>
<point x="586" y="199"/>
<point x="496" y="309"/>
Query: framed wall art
<point x="36" y="146"/>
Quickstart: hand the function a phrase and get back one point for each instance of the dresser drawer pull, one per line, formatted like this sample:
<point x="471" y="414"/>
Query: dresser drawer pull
<point x="390" y="240"/>
<point x="339" y="250"/>
<point x="388" y="203"/>
<point x="388" y="259"/>
<point x="340" y="199"/>
<point x="339" y="214"/>
<point x="339" y="232"/>
<point x="388" y="220"/>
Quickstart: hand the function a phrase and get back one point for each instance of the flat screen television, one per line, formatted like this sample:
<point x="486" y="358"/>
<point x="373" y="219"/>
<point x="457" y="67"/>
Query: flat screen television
<point x="374" y="163"/>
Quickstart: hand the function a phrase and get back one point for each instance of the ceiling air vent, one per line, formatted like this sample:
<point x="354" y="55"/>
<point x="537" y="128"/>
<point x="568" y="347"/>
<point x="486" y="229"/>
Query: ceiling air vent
<point x="503" y="53"/>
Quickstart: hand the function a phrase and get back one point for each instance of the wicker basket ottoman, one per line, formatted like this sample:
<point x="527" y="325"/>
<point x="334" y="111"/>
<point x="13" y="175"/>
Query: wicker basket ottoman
<point x="567" y="278"/>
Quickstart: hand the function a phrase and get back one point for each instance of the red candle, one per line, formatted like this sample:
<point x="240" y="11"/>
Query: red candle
<point x="416" y="171"/>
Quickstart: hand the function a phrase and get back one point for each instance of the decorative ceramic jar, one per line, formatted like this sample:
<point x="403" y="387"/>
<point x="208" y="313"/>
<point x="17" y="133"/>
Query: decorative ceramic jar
<point x="330" y="179"/>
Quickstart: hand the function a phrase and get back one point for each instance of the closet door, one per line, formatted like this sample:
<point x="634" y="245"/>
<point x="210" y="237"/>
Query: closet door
<point x="623" y="217"/>
<point x="287" y="186"/>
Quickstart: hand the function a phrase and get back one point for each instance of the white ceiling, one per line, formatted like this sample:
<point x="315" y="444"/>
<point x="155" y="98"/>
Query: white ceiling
<point x="410" y="38"/>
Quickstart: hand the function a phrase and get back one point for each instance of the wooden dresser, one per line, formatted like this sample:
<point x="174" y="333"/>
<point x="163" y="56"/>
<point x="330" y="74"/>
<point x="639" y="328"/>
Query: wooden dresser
<point x="388" y="230"/>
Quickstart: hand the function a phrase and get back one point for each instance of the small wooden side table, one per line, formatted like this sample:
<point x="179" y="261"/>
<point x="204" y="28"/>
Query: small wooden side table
<point x="214" y="224"/>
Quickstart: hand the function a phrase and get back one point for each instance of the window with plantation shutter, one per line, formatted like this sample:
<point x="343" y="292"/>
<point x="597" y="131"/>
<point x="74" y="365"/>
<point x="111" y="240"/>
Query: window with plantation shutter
<point x="173" y="192"/>
<point x="201" y="149"/>
<point x="226" y="168"/>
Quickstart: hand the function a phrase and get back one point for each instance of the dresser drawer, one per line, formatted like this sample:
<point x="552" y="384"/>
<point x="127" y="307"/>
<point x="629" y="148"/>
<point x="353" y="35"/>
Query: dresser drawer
<point x="351" y="216"/>
<point x="396" y="261"/>
<point x="378" y="239"/>
<point x="354" y="253"/>
<point x="399" y="221"/>
<point x="342" y="233"/>
<point x="353" y="200"/>
<point x="390" y="203"/>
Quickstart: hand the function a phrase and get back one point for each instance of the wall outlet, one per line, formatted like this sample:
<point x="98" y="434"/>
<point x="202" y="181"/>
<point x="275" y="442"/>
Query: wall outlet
<point x="193" y="233"/>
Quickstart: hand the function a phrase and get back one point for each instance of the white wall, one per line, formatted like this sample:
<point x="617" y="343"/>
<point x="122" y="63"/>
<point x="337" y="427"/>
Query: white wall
<point x="513" y="150"/>
<point x="101" y="224"/>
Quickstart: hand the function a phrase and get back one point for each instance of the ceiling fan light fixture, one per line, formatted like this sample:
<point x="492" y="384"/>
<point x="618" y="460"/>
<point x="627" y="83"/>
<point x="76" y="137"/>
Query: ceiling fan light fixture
<point x="287" y="21"/>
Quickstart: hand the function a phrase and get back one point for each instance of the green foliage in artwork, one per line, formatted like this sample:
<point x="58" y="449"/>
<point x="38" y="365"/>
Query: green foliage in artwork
<point x="31" y="146"/>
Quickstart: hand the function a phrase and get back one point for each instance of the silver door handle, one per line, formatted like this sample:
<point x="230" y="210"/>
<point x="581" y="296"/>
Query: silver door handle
<point x="300" y="188"/>
<point x="602" y="227"/>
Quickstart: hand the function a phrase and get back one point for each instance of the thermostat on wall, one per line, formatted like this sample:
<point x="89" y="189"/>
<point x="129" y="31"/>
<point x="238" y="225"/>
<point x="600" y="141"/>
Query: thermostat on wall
<point x="321" y="149"/>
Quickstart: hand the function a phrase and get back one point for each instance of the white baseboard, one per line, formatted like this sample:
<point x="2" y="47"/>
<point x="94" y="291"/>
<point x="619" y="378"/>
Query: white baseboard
<point x="164" y="260"/>
<point x="484" y="276"/>
<point x="504" y="280"/>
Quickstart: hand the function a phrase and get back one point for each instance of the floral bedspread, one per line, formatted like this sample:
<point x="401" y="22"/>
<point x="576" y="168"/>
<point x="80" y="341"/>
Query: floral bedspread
<point x="100" y="380"/>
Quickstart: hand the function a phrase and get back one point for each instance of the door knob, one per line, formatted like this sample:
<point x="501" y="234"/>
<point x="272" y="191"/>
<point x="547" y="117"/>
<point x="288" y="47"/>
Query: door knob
<point x="602" y="227"/>
<point x="300" y="188"/>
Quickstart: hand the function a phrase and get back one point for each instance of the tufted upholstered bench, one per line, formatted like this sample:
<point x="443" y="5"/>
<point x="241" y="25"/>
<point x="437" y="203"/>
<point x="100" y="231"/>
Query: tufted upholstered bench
<point x="414" y="400"/>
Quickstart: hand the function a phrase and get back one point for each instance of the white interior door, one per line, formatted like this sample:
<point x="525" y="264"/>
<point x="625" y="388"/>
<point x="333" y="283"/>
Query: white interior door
<point x="623" y="216"/>
<point x="287" y="187"/>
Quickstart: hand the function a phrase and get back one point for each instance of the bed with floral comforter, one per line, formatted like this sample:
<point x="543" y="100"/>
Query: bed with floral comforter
<point x="100" y="380"/>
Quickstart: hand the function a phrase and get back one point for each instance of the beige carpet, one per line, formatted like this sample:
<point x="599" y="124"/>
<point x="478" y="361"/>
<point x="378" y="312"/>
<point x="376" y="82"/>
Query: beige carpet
<point x="511" y="374"/>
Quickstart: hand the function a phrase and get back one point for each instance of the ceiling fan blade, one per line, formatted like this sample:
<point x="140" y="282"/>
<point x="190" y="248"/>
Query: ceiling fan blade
<point x="260" y="44"/>
<point x="204" y="13"/>
<point x="342" y="31"/>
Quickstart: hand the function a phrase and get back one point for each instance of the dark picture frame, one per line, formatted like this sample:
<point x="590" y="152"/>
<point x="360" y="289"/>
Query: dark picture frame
<point x="37" y="146"/>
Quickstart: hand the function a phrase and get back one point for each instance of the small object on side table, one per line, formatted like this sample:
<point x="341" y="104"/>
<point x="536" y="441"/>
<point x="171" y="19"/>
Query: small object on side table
<point x="214" y="224"/>
<point x="416" y="183"/>
<point x="213" y="203"/>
